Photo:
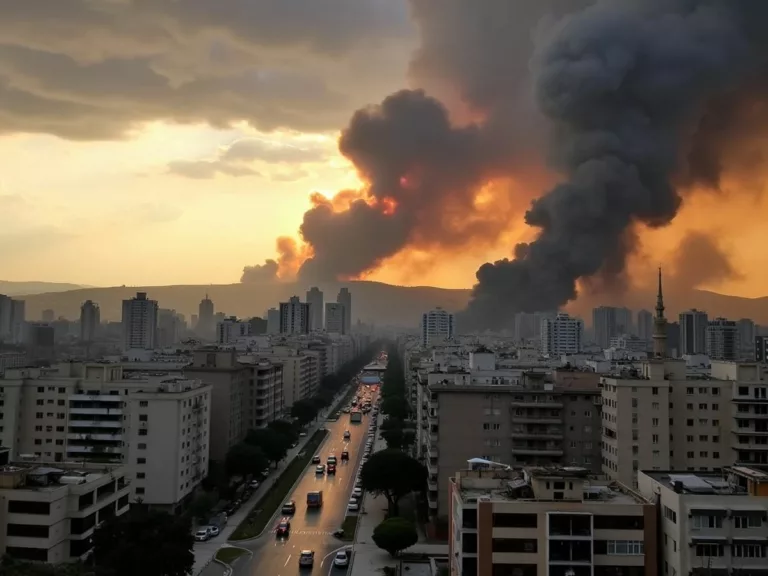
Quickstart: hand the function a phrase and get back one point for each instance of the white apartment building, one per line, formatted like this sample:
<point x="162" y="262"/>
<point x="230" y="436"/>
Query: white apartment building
<point x="315" y="301"/>
<point x="90" y="321"/>
<point x="301" y="372"/>
<point x="723" y="340"/>
<point x="139" y="323"/>
<point x="345" y="299"/>
<point x="710" y="522"/>
<point x="157" y="426"/>
<point x="12" y="360"/>
<point x="554" y="521"/>
<point x="294" y="317"/>
<point x="693" y="332"/>
<point x="231" y="330"/>
<point x="437" y="326"/>
<point x="335" y="318"/>
<point x="561" y="335"/>
<point x="50" y="511"/>
<point x="657" y="417"/>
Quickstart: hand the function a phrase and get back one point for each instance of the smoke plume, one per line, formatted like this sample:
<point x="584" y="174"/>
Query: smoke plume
<point x="699" y="260"/>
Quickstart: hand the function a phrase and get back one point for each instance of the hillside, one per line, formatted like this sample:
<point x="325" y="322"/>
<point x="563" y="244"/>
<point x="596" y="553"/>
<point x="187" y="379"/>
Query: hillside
<point x="383" y="304"/>
<point x="16" y="288"/>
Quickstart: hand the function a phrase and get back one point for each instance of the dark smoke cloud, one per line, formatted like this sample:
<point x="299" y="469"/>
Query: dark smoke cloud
<point x="260" y="273"/>
<point x="623" y="84"/>
<point x="699" y="261"/>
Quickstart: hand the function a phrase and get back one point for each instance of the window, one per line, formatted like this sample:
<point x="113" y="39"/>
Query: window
<point x="143" y="404"/>
<point x="515" y="520"/>
<point x="141" y="460"/>
<point x="708" y="550"/>
<point x="655" y="391"/>
<point x="139" y="490"/>
<point x="143" y="432"/>
<point x="62" y="402"/>
<point x="142" y="446"/>
<point x="40" y="402"/>
<point x="142" y="417"/>
<point x="625" y="548"/>
<point x="689" y="391"/>
<point x="747" y="521"/>
<point x="715" y="406"/>
<point x="62" y="390"/>
<point x="38" y="428"/>
<point x="40" y="389"/>
<point x="703" y="438"/>
<point x="707" y="521"/>
<point x="703" y="406"/>
<point x="715" y="454"/>
<point x="655" y="405"/>
<point x="141" y="475"/>
<point x="655" y="422"/>
<point x="655" y="438"/>
<point x="716" y="439"/>
<point x="634" y="402"/>
<point x="689" y="406"/>
<point x="689" y="422"/>
<point x="489" y="426"/>
<point x="748" y="551"/>
<point x="670" y="514"/>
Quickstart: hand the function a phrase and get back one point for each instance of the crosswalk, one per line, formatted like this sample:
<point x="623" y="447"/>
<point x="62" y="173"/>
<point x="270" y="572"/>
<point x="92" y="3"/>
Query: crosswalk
<point x="308" y="532"/>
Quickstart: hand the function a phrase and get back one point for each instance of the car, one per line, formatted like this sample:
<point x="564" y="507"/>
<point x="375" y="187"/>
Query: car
<point x="284" y="528"/>
<point x="357" y="492"/>
<point x="331" y="469"/>
<point x="345" y="456"/>
<point x="353" y="506"/>
<point x="202" y="534"/>
<point x="302" y="434"/>
<point x="331" y="460"/>
<point x="341" y="559"/>
<point x="316" y="459"/>
<point x="289" y="507"/>
<point x="254" y="484"/>
<point x="320" y="469"/>
<point x="214" y="530"/>
<point x="358" y="482"/>
<point x="347" y="435"/>
<point x="306" y="558"/>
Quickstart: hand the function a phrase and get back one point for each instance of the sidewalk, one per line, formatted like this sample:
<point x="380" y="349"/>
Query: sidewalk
<point x="369" y="559"/>
<point x="205" y="551"/>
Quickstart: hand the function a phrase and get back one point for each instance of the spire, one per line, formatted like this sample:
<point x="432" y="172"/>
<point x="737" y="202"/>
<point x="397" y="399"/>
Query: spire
<point x="660" y="325"/>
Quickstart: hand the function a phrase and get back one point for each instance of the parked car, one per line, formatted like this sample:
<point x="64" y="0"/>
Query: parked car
<point x="357" y="492"/>
<point x="214" y="530"/>
<point x="202" y="534"/>
<point x="342" y="559"/>
<point x="353" y="506"/>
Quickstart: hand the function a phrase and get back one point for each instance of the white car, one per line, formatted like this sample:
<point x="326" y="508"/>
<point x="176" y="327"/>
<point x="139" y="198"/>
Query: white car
<point x="341" y="559"/>
<point x="357" y="492"/>
<point x="213" y="530"/>
<point x="353" y="506"/>
<point x="202" y="534"/>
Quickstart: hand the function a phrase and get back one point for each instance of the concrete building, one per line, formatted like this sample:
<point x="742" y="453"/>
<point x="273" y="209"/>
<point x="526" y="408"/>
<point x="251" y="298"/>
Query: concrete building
<point x="90" y="321"/>
<point x="158" y="426"/>
<point x="536" y="421"/>
<point x="345" y="299"/>
<point x="170" y="328"/>
<point x="335" y="318"/>
<point x="608" y="322"/>
<point x="630" y="343"/>
<point x="561" y="335"/>
<point x="231" y="330"/>
<point x="139" y="323"/>
<point x="294" y="317"/>
<point x="710" y="522"/>
<point x="528" y="325"/>
<point x="273" y="321"/>
<point x="761" y="349"/>
<point x="644" y="325"/>
<point x="315" y="301"/>
<point x="723" y="340"/>
<point x="50" y="511"/>
<point x="548" y="522"/>
<point x="747" y="332"/>
<point x="693" y="332"/>
<point x="263" y="400"/>
<point x="12" y="360"/>
<point x="437" y="326"/>
<point x="301" y="372"/>
<point x="206" y="323"/>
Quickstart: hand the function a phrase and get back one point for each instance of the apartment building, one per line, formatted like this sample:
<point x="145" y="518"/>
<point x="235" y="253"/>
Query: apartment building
<point x="723" y="340"/>
<point x="231" y="330"/>
<point x="157" y="426"/>
<point x="315" y="301"/>
<point x="344" y="297"/>
<point x="711" y="523"/>
<point x="437" y="326"/>
<point x="658" y="417"/>
<point x="548" y="522"/>
<point x="335" y="318"/>
<point x="49" y="511"/>
<point x="139" y="323"/>
<point x="294" y="316"/>
<point x="561" y="335"/>
<point x="536" y="422"/>
<point x="264" y="395"/>
<point x="301" y="372"/>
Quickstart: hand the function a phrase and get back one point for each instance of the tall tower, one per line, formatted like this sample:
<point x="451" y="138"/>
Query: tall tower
<point x="345" y="299"/>
<point x="315" y="301"/>
<point x="659" y="326"/>
<point x="206" y="325"/>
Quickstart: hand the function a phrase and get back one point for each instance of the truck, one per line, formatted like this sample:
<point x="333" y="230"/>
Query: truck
<point x="315" y="499"/>
<point x="355" y="416"/>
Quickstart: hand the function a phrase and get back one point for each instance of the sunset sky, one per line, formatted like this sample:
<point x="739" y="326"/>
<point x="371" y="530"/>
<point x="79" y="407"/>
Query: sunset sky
<point x="161" y="146"/>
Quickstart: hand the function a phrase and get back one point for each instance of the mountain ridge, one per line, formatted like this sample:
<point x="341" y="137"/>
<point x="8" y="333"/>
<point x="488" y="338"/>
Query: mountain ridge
<point x="377" y="302"/>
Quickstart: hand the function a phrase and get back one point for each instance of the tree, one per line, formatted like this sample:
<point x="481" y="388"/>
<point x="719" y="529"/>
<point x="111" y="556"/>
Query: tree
<point x="203" y="504"/>
<point x="144" y="542"/>
<point x="395" y="535"/>
<point x="396" y="407"/>
<point x="398" y="438"/>
<point x="245" y="460"/>
<point x="12" y="567"/>
<point x="393" y="474"/>
<point x="304" y="411"/>
<point x="273" y="444"/>
<point x="285" y="428"/>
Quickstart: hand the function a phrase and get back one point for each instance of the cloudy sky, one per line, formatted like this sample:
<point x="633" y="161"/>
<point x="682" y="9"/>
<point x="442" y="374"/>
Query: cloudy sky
<point x="165" y="142"/>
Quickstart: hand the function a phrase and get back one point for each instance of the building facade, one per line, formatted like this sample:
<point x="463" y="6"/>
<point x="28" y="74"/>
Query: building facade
<point x="294" y="317"/>
<point x="335" y="318"/>
<point x="437" y="326"/>
<point x="345" y="299"/>
<point x="693" y="332"/>
<point x="90" y="321"/>
<point x="139" y="323"/>
<point x="231" y="330"/>
<point x="315" y="301"/>
<point x="561" y="335"/>
<point x="723" y="340"/>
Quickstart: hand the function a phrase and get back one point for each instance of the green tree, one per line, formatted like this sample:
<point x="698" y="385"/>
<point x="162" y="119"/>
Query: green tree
<point x="285" y="428"/>
<point x="398" y="438"/>
<point x="245" y="460"/>
<point x="396" y="407"/>
<point x="202" y="505"/>
<point x="12" y="567"/>
<point x="304" y="411"/>
<point x="393" y="474"/>
<point x="395" y="535"/>
<point x="273" y="444"/>
<point x="144" y="542"/>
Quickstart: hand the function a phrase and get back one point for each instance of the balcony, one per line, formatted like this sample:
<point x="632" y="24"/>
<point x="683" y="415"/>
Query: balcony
<point x="432" y="485"/>
<point x="93" y="450"/>
<point x="95" y="423"/>
<point x="530" y="451"/>
<point x="537" y="419"/>
<point x="550" y="404"/>
<point x="109" y="398"/>
<point x="105" y="411"/>
<point x="81" y="436"/>
<point x="553" y="434"/>
<point x="432" y="451"/>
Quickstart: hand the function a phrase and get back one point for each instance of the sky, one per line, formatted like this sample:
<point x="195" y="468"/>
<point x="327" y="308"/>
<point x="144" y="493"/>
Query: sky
<point x="143" y="143"/>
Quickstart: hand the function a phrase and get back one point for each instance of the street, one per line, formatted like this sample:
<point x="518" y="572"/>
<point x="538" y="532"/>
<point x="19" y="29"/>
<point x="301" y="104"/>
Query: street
<point x="310" y="529"/>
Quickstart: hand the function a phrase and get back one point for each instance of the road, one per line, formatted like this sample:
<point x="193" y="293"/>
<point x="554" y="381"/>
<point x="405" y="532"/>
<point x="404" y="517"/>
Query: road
<point x="310" y="529"/>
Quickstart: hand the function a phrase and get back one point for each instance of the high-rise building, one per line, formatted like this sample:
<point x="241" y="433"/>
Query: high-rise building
<point x="528" y="324"/>
<point x="723" y="340"/>
<point x="139" y="323"/>
<point x="294" y="316"/>
<point x="90" y="321"/>
<point x="562" y="335"/>
<point x="205" y="319"/>
<point x="747" y="333"/>
<point x="315" y="301"/>
<point x="645" y="325"/>
<point x="335" y="318"/>
<point x="608" y="322"/>
<point x="258" y="326"/>
<point x="232" y="330"/>
<point x="6" y="318"/>
<point x="345" y="298"/>
<point x="169" y="328"/>
<point x="48" y="315"/>
<point x="437" y="326"/>
<point x="693" y="332"/>
<point x="273" y="321"/>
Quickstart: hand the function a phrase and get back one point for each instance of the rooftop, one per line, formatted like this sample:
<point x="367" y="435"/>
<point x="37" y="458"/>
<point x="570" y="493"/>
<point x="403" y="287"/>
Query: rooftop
<point x="725" y="483"/>
<point x="39" y="476"/>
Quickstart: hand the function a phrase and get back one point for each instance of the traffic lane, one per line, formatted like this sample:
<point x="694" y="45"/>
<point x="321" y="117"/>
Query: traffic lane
<point x="313" y="530"/>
